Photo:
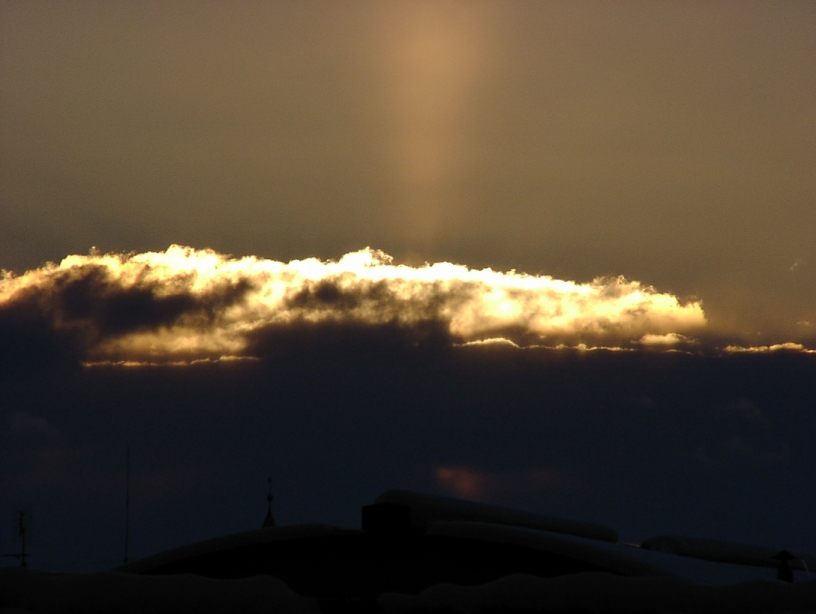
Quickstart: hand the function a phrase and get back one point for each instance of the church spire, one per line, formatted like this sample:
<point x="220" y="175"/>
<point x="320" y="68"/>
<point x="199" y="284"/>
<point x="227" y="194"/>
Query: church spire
<point x="269" y="521"/>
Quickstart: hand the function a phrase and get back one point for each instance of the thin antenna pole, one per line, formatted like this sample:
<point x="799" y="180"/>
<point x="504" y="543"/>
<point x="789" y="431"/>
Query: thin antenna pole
<point x="22" y="523"/>
<point x="269" y="521"/>
<point x="127" y="504"/>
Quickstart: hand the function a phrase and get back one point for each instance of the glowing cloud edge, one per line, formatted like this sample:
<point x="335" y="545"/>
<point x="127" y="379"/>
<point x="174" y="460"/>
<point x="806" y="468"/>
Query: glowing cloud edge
<point x="200" y="304"/>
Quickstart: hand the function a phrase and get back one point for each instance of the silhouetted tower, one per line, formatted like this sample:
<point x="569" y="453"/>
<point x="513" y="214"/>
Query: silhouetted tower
<point x="269" y="521"/>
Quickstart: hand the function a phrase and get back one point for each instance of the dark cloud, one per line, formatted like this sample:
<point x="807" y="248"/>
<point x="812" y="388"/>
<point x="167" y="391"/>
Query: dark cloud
<point x="68" y="315"/>
<point x="29" y="341"/>
<point x="87" y="296"/>
<point x="326" y="293"/>
<point x="646" y="442"/>
<point x="350" y="341"/>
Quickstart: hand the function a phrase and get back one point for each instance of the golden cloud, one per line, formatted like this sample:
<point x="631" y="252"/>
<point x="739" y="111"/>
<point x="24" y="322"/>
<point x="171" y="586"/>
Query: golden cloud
<point x="788" y="346"/>
<point x="188" y="304"/>
<point x="664" y="341"/>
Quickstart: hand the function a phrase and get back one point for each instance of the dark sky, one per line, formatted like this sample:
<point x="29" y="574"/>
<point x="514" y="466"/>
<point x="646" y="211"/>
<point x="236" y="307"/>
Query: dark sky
<point x="717" y="447"/>
<point x="670" y="143"/>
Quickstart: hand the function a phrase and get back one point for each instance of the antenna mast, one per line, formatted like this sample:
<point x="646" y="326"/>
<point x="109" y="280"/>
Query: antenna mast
<point x="23" y="517"/>
<point x="22" y="527"/>
<point x="127" y="505"/>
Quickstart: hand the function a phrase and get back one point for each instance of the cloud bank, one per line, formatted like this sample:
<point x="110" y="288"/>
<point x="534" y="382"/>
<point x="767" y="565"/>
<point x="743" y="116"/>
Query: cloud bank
<point x="190" y="304"/>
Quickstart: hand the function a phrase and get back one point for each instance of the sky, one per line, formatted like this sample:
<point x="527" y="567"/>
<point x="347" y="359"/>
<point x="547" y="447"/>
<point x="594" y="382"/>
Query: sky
<point x="550" y="255"/>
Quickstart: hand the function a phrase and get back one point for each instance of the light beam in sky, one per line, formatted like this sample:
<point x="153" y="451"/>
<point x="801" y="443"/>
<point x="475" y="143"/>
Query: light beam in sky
<point x="435" y="62"/>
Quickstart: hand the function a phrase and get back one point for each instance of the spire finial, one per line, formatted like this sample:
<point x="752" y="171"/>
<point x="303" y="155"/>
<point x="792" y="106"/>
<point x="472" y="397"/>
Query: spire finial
<point x="269" y="521"/>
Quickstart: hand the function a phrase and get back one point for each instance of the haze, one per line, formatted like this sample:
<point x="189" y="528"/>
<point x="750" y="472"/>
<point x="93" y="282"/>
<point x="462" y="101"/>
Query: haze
<point x="672" y="143"/>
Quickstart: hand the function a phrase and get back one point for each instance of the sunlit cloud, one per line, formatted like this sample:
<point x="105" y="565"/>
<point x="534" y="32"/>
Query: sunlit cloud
<point x="789" y="346"/>
<point x="136" y="364"/>
<point x="583" y="347"/>
<point x="666" y="340"/>
<point x="491" y="342"/>
<point x="472" y="483"/>
<point x="463" y="481"/>
<point x="185" y="304"/>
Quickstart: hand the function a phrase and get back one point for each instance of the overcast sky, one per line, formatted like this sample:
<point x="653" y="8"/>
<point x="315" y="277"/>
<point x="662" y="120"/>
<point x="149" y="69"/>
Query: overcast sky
<point x="672" y="143"/>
